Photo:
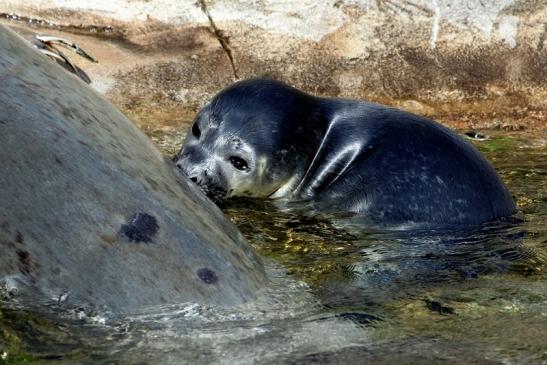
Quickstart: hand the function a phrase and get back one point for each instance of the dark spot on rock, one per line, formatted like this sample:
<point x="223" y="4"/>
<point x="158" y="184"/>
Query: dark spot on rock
<point x="58" y="160"/>
<point x="359" y="318"/>
<point x="5" y="227"/>
<point x="436" y="306"/>
<point x="141" y="227"/>
<point x="19" y="237"/>
<point x="207" y="275"/>
<point x="67" y="113"/>
<point x="25" y="264"/>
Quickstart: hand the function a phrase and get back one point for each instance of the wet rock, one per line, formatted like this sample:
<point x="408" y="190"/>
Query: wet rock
<point x="416" y="107"/>
<point x="463" y="61"/>
<point x="79" y="181"/>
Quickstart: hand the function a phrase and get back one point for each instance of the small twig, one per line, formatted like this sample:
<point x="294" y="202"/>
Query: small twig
<point x="223" y="40"/>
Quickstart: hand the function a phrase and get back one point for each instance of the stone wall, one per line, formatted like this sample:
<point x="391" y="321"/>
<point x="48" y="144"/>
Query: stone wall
<point x="468" y="63"/>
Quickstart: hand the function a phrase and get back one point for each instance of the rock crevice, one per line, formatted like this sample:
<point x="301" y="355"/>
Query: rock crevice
<point x="222" y="39"/>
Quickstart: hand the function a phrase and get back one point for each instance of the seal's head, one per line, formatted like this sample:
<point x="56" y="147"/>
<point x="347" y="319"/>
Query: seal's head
<point x="252" y="139"/>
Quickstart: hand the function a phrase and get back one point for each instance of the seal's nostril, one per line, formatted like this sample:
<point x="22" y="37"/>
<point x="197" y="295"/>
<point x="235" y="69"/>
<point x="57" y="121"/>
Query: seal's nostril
<point x="179" y="165"/>
<point x="194" y="179"/>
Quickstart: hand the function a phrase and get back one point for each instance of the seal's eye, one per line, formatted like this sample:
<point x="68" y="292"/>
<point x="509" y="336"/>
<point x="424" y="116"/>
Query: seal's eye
<point x="195" y="130"/>
<point x="239" y="163"/>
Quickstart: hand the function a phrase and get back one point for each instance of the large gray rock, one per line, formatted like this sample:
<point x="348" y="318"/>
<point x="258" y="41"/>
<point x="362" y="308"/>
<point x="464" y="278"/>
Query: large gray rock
<point x="90" y="212"/>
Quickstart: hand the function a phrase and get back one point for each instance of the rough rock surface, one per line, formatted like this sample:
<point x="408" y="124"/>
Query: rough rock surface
<point x="468" y="63"/>
<point x="90" y="212"/>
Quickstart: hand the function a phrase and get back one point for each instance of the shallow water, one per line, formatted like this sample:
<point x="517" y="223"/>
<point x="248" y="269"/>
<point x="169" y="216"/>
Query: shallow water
<point x="342" y="293"/>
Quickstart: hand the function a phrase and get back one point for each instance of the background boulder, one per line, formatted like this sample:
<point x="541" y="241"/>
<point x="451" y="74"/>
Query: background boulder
<point x="467" y="63"/>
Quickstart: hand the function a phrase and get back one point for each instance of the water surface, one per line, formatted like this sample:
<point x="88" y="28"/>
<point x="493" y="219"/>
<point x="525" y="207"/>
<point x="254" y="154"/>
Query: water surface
<point x="342" y="293"/>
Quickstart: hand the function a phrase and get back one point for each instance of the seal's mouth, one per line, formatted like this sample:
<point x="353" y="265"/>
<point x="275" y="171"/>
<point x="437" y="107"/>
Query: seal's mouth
<point x="213" y="192"/>
<point x="216" y="194"/>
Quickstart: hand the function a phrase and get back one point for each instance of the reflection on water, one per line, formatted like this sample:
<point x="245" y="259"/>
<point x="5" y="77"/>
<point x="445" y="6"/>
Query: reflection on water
<point x="351" y="294"/>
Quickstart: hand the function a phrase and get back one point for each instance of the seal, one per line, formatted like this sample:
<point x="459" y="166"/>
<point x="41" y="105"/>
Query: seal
<point x="262" y="138"/>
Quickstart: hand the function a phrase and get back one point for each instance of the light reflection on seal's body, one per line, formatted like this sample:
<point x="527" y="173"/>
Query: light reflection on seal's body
<point x="262" y="138"/>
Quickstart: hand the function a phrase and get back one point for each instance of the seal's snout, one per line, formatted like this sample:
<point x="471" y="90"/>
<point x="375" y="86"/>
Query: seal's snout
<point x="203" y="179"/>
<point x="182" y="163"/>
<point x="186" y="171"/>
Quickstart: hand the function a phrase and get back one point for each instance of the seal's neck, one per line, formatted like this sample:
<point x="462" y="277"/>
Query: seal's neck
<point x="286" y="189"/>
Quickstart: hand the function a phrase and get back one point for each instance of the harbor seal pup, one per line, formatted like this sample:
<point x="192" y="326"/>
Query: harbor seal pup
<point x="262" y="138"/>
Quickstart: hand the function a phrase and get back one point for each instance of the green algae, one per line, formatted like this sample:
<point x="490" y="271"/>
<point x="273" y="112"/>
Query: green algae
<point x="12" y="349"/>
<point x="497" y="144"/>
